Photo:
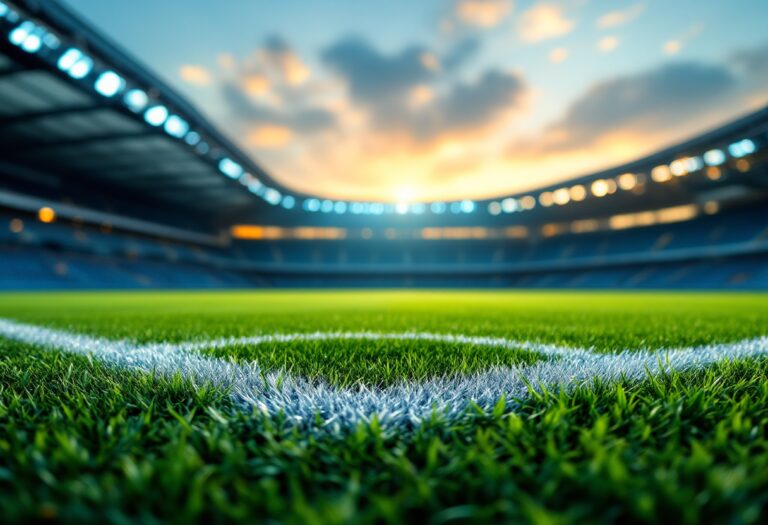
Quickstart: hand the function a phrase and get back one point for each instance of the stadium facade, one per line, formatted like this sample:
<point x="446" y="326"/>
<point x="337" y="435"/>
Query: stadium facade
<point x="110" y="179"/>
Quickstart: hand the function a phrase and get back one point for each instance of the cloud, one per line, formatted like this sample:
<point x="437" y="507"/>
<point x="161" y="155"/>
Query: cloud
<point x="278" y="57"/>
<point x="374" y="78"/>
<point x="461" y="52"/>
<point x="608" y="44"/>
<point x="557" y="55"/>
<point x="542" y="22"/>
<point x="620" y="17"/>
<point x="675" y="45"/>
<point x="400" y="94"/>
<point x="255" y="113"/>
<point x="195" y="75"/>
<point x="269" y="136"/>
<point x="648" y="102"/>
<point x="482" y="13"/>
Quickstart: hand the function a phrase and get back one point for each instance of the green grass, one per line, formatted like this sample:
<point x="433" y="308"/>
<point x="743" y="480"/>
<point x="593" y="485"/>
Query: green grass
<point x="82" y="442"/>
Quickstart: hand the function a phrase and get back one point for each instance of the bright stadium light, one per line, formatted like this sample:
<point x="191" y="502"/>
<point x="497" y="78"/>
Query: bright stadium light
<point x="376" y="208"/>
<point x="627" y="181"/>
<point x="357" y="208"/>
<point x="742" y="148"/>
<point x="438" y="208"/>
<point x="714" y="157"/>
<point x="326" y="206"/>
<point x="561" y="196"/>
<point x="467" y="206"/>
<point x="509" y="205"/>
<point x="27" y="36"/>
<point x="273" y="196"/>
<point x="599" y="188"/>
<point x="109" y="84"/>
<point x="288" y="202"/>
<point x="661" y="173"/>
<point x="176" y="126"/>
<point x="81" y="68"/>
<point x="136" y="100"/>
<point x="156" y="115"/>
<point x="418" y="208"/>
<point x="402" y="208"/>
<point x="3" y="10"/>
<point x="68" y="58"/>
<point x="545" y="199"/>
<point x="255" y="186"/>
<point x="340" y="207"/>
<point x="312" y="205"/>
<point x="230" y="168"/>
<point x="494" y="208"/>
<point x="455" y="207"/>
<point x="528" y="202"/>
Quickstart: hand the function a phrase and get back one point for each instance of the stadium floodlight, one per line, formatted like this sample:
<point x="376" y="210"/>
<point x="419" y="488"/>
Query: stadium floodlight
<point x="545" y="199"/>
<point x="156" y="115"/>
<point x="230" y="168"/>
<point x="742" y="148"/>
<point x="288" y="202"/>
<point x="528" y="202"/>
<point x="509" y="205"/>
<point x="176" y="126"/>
<point x="326" y="206"/>
<point x="467" y="206"/>
<point x="599" y="188"/>
<point x="714" y="157"/>
<point x="255" y="186"/>
<point x="27" y="36"/>
<point x="376" y="208"/>
<point x="418" y="208"/>
<point x="340" y="207"/>
<point x="68" y="59"/>
<point x="494" y="208"/>
<point x="627" y="181"/>
<point x="402" y="208"/>
<point x="3" y="9"/>
<point x="678" y="168"/>
<point x="136" y="100"/>
<point x="455" y="207"/>
<point x="109" y="84"/>
<point x="661" y="173"/>
<point x="438" y="208"/>
<point x="577" y="193"/>
<point x="192" y="138"/>
<point x="356" y="208"/>
<point x="19" y="34"/>
<point x="272" y="196"/>
<point x="561" y="196"/>
<point x="312" y="205"/>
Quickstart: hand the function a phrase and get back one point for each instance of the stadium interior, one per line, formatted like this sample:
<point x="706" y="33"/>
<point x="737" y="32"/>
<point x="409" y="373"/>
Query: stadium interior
<point x="110" y="180"/>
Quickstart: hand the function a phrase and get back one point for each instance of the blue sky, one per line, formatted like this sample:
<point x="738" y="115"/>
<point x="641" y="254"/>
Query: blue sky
<point x="440" y="99"/>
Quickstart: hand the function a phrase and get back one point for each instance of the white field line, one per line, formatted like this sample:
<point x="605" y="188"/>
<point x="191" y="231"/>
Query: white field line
<point x="409" y="403"/>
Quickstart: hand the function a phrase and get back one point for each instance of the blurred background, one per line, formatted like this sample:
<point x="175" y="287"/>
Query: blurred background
<point x="467" y="143"/>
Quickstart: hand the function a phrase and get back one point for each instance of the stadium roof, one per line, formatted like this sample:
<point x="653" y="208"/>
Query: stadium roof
<point x="77" y="111"/>
<point x="74" y="106"/>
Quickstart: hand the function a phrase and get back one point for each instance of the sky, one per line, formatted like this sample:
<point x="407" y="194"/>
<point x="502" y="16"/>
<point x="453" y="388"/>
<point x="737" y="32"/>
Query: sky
<point x="449" y="99"/>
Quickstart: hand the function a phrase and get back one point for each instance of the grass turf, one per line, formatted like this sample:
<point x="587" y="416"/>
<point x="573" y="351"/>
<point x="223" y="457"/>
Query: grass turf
<point x="80" y="441"/>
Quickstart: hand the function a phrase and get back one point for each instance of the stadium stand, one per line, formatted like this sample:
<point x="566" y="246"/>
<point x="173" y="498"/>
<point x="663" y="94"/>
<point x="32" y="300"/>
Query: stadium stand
<point x="109" y="179"/>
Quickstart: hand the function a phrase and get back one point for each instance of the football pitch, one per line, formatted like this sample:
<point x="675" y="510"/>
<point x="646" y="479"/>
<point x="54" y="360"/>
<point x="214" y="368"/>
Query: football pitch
<point x="384" y="407"/>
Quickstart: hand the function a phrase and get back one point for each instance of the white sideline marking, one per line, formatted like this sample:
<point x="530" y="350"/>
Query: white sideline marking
<point x="408" y="403"/>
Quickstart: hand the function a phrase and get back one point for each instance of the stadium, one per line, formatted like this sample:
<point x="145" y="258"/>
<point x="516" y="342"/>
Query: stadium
<point x="185" y="336"/>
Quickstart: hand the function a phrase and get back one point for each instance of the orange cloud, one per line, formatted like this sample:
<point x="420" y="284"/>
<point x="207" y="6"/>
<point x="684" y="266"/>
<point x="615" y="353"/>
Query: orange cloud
<point x="483" y="13"/>
<point x="269" y="136"/>
<point x="195" y="75"/>
<point x="542" y="22"/>
<point x="255" y="85"/>
<point x="620" y="17"/>
<point x="608" y="44"/>
<point x="558" y="55"/>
